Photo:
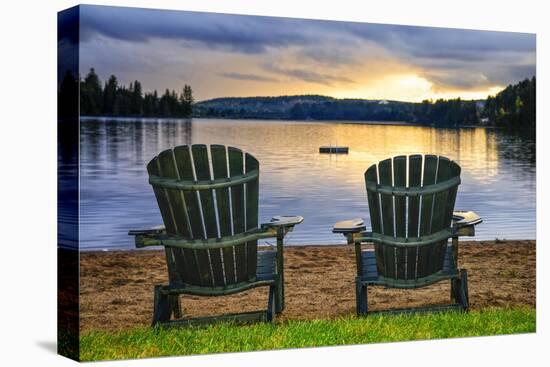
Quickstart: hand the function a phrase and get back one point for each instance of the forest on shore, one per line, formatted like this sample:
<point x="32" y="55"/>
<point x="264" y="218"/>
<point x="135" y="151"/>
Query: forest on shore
<point x="513" y="107"/>
<point x="113" y="99"/>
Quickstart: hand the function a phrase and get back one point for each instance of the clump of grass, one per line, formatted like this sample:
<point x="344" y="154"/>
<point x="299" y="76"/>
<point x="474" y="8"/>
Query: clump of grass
<point x="148" y="342"/>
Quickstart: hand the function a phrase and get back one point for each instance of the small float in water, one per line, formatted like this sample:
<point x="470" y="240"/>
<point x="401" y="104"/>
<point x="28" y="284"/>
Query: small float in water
<point x="334" y="150"/>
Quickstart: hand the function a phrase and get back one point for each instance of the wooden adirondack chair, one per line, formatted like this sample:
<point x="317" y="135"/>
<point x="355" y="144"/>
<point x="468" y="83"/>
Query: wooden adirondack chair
<point x="411" y="202"/>
<point x="211" y="231"/>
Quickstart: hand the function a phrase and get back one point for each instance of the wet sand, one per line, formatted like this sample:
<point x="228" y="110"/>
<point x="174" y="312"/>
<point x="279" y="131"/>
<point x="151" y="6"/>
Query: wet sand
<point x="116" y="288"/>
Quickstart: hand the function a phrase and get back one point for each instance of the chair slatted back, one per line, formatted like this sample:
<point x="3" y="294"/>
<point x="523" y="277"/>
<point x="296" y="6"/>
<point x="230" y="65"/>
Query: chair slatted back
<point x="192" y="206"/>
<point x="411" y="198"/>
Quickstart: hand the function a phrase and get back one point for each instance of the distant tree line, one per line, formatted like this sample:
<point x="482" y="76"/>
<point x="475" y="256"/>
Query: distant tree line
<point x="113" y="99"/>
<point x="514" y="107"/>
<point x="453" y="112"/>
<point x="446" y="112"/>
<point x="349" y="109"/>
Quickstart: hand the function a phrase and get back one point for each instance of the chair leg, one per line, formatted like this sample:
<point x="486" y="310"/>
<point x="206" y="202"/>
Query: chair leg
<point x="460" y="287"/>
<point x="280" y="270"/>
<point x="465" y="301"/>
<point x="279" y="294"/>
<point x="175" y="306"/>
<point x="361" y="297"/>
<point x="271" y="303"/>
<point x="161" y="307"/>
<point x="453" y="291"/>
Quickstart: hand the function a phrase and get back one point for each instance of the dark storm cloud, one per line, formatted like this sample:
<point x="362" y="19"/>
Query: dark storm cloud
<point x="458" y="58"/>
<point x="245" y="34"/>
<point x="251" y="77"/>
<point x="328" y="56"/>
<point x="449" y="58"/>
<point x="308" y="75"/>
<point x="446" y="43"/>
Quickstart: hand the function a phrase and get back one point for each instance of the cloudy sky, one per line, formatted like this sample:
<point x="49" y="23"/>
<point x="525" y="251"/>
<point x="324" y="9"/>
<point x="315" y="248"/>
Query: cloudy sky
<point x="223" y="55"/>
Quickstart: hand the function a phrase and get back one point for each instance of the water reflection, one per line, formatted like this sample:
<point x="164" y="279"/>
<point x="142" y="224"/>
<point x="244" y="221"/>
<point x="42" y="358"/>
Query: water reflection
<point x="498" y="172"/>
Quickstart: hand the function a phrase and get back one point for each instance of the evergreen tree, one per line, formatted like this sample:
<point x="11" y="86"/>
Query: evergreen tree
<point x="122" y="102"/>
<point x="91" y="101"/>
<point x="109" y="96"/>
<point x="136" y="100"/>
<point x="187" y="101"/>
<point x="165" y="105"/>
<point x="117" y="100"/>
<point x="156" y="103"/>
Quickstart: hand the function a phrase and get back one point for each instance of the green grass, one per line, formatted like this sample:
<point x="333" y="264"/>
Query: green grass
<point x="148" y="342"/>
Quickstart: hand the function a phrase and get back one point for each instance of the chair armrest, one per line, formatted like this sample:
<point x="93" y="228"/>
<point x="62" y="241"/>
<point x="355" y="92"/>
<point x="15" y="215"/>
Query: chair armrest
<point x="285" y="222"/>
<point x="163" y="239"/>
<point x="152" y="230"/>
<point x="464" y="218"/>
<point x="349" y="226"/>
<point x="464" y="222"/>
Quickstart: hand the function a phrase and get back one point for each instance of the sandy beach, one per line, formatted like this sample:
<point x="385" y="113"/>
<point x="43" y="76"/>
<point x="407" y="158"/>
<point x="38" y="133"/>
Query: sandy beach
<point x="116" y="288"/>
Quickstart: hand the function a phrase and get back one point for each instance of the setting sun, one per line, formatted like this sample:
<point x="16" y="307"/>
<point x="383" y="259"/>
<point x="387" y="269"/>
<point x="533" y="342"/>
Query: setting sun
<point x="411" y="88"/>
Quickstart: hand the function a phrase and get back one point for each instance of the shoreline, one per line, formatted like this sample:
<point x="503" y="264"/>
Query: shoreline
<point x="351" y="122"/>
<point x="116" y="288"/>
<point x="519" y="242"/>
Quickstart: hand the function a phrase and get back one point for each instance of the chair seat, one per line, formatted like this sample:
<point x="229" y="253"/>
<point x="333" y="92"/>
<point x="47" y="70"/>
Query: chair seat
<point x="266" y="265"/>
<point x="265" y="275"/>
<point x="370" y="272"/>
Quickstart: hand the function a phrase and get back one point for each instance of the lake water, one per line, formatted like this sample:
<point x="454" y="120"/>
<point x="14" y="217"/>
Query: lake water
<point x="498" y="172"/>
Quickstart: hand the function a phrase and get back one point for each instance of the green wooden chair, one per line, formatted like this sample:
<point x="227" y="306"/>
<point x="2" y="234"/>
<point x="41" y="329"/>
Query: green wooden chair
<point x="411" y="203"/>
<point x="208" y="199"/>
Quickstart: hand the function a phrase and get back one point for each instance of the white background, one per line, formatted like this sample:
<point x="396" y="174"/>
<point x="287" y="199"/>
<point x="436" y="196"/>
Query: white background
<point x="28" y="181"/>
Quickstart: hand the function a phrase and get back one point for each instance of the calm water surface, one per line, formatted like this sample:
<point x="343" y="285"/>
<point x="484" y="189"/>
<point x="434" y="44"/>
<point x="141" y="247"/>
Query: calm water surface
<point x="498" y="172"/>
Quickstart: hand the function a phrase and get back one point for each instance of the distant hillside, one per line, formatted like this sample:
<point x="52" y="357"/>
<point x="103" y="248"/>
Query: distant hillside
<point x="513" y="107"/>
<point x="304" y="107"/>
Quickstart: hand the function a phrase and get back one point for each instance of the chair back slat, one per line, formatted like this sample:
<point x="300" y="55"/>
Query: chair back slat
<point x="410" y="207"/>
<point x="196" y="267"/>
<point x="371" y="175"/>
<point x="162" y="199"/>
<point x="236" y="167"/>
<point x="166" y="213"/>
<point x="219" y="168"/>
<point x="386" y="204"/>
<point x="415" y="180"/>
<point x="440" y="199"/>
<point x="374" y="199"/>
<point x="400" y="207"/>
<point x="428" y="178"/>
<point x="202" y="172"/>
<point x="208" y="211"/>
<point x="451" y="199"/>
<point x="413" y="213"/>
<point x="426" y="254"/>
<point x="166" y="167"/>
<point x="202" y="210"/>
<point x="252" y="193"/>
<point x="385" y="178"/>
<point x="400" y="202"/>
<point x="182" y="156"/>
